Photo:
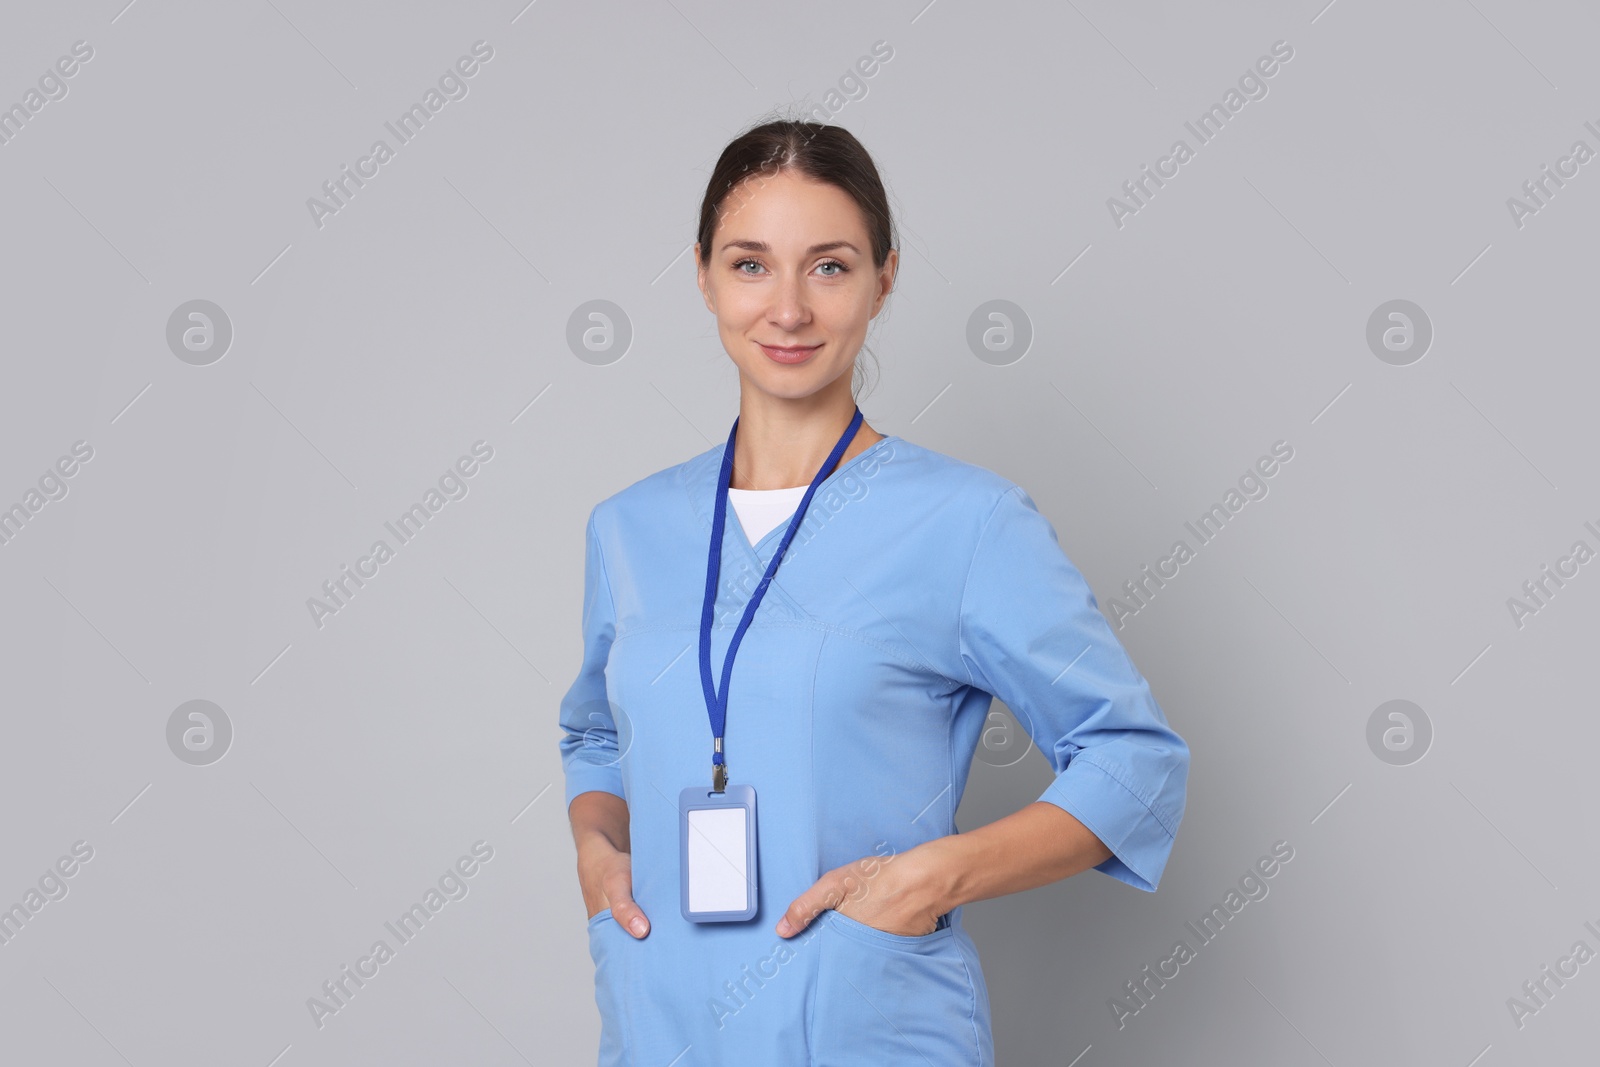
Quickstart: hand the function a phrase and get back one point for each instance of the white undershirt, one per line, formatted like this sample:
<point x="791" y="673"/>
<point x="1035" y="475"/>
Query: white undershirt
<point x="760" y="510"/>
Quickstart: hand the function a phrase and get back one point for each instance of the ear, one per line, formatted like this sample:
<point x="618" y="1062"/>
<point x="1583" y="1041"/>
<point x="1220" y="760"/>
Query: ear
<point x="886" y="277"/>
<point x="700" y="279"/>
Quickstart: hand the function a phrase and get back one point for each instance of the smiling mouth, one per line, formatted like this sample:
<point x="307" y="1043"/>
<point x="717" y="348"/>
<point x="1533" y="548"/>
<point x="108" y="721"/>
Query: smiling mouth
<point x="789" y="353"/>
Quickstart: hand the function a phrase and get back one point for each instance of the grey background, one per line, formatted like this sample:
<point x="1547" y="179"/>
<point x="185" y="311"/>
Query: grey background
<point x="369" y="354"/>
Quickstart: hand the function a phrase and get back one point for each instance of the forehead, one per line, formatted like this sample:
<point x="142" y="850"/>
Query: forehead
<point x="788" y="209"/>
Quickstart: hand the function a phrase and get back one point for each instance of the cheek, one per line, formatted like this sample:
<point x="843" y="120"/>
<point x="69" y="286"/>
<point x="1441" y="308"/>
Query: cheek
<point x="737" y="305"/>
<point x="848" y="314"/>
<point x="730" y="322"/>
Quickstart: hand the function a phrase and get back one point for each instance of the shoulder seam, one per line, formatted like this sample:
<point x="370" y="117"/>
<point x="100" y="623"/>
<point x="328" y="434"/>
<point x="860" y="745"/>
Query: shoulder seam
<point x="961" y="605"/>
<point x="605" y="575"/>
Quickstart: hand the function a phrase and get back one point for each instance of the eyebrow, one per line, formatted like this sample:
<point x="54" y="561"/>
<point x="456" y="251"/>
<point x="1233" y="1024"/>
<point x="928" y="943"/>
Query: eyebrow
<point x="762" y="246"/>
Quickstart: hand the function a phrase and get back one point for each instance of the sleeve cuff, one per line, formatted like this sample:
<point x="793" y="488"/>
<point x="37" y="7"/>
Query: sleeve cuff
<point x="582" y="777"/>
<point x="1138" y="841"/>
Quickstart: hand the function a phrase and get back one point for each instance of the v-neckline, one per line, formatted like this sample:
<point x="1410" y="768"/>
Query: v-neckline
<point x="713" y="459"/>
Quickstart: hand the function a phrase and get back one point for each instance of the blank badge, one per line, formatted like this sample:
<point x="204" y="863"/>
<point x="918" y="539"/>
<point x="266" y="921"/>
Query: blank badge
<point x="717" y="853"/>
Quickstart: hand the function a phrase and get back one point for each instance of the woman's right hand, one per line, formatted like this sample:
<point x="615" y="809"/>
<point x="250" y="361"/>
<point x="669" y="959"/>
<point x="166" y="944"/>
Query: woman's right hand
<point x="605" y="865"/>
<point x="606" y="877"/>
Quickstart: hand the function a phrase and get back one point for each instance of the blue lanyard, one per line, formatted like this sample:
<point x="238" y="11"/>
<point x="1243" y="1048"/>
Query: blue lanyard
<point x="717" y="706"/>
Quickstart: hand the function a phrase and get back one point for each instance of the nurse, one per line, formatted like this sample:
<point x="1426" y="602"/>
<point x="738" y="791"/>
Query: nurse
<point x="791" y="644"/>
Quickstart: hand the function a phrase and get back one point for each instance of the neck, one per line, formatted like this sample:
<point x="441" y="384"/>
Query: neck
<point x="782" y="442"/>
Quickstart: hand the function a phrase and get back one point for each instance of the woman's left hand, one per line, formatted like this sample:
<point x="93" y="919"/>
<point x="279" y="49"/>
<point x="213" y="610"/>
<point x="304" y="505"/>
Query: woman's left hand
<point x="898" y="894"/>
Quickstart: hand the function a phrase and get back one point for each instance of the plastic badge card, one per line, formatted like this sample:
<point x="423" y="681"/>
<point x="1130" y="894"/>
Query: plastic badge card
<point x="717" y="853"/>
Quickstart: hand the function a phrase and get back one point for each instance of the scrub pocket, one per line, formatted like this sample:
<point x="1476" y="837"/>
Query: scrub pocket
<point x="609" y="974"/>
<point x="893" y="998"/>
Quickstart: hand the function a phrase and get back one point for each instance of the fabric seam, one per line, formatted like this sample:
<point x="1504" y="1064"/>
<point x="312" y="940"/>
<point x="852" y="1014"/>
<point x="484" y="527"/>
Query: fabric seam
<point x="811" y="1014"/>
<point x="714" y="454"/>
<point x="967" y="578"/>
<point x="972" y="994"/>
<point x="1130" y="790"/>
<point x="950" y="765"/>
<point x="809" y="623"/>
<point x="605" y="576"/>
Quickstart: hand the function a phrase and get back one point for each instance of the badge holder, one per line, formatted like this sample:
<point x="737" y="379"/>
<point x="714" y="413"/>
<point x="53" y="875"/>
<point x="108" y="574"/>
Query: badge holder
<point x="717" y="854"/>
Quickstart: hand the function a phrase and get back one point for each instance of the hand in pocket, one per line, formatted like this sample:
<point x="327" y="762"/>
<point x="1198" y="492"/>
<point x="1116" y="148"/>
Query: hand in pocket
<point x="605" y="875"/>
<point x="893" y="895"/>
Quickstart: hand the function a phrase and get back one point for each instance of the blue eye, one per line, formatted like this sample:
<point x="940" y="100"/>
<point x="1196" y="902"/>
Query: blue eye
<point x="739" y="264"/>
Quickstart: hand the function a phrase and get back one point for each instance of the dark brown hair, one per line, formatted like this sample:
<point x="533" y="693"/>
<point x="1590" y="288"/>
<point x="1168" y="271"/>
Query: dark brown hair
<point x="817" y="151"/>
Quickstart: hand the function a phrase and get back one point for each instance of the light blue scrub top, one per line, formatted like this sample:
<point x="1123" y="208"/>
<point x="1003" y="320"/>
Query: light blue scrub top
<point x="917" y="586"/>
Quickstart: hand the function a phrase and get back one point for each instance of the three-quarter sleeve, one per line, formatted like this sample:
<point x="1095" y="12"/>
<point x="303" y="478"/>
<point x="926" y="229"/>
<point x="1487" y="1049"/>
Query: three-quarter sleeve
<point x="1032" y="634"/>
<point x="589" y="746"/>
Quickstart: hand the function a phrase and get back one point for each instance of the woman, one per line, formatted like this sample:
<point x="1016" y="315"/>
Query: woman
<point x="913" y="588"/>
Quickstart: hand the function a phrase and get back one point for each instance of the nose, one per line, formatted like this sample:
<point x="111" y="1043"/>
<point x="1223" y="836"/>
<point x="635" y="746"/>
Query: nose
<point x="789" y="310"/>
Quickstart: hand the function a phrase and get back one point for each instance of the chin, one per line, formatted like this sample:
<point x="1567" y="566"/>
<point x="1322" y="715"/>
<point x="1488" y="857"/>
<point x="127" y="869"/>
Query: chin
<point x="788" y="391"/>
<point x="791" y="383"/>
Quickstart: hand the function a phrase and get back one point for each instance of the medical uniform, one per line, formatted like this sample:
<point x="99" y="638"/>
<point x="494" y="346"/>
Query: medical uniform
<point x="917" y="587"/>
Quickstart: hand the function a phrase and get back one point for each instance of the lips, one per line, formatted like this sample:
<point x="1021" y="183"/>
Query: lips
<point x="789" y="354"/>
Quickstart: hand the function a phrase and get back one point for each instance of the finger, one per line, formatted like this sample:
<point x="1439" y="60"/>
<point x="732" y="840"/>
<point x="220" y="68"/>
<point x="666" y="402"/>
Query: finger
<point x="629" y="914"/>
<point x="806" y="907"/>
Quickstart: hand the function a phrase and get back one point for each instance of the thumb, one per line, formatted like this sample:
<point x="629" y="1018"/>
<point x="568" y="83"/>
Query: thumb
<point x="630" y="915"/>
<point x="806" y="907"/>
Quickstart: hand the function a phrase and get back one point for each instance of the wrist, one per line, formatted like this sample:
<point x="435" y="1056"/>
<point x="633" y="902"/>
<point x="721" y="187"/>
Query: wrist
<point x="595" y="853"/>
<point x="595" y="841"/>
<point x="597" y="857"/>
<point x="940" y="867"/>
